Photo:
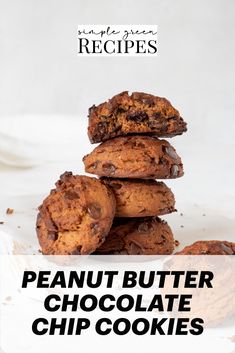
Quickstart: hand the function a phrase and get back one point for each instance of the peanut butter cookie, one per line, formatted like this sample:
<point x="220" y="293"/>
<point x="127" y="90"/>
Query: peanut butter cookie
<point x="76" y="217"/>
<point x="134" y="157"/>
<point x="138" y="113"/>
<point x="209" y="247"/>
<point x="141" y="198"/>
<point x="142" y="236"/>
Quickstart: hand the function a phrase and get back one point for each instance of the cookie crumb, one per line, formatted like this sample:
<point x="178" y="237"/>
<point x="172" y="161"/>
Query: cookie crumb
<point x="181" y="226"/>
<point x="18" y="227"/>
<point x="1" y="222"/>
<point x="9" y="210"/>
<point x="204" y="215"/>
<point x="181" y="214"/>
<point x="177" y="243"/>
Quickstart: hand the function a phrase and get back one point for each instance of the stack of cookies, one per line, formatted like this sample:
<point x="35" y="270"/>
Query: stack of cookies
<point x="118" y="213"/>
<point x="128" y="160"/>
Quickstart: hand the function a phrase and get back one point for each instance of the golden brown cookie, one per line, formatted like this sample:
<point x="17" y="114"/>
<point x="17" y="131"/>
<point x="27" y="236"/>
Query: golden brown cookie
<point x="142" y="236"/>
<point x="138" y="113"/>
<point x="76" y="217"/>
<point x="134" y="157"/>
<point x="209" y="247"/>
<point x="141" y="198"/>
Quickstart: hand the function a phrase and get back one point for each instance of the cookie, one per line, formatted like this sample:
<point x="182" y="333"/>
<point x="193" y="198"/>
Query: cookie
<point x="134" y="157"/>
<point x="209" y="247"/>
<point x="138" y="113"/>
<point x="76" y="217"/>
<point x="141" y="198"/>
<point x="141" y="236"/>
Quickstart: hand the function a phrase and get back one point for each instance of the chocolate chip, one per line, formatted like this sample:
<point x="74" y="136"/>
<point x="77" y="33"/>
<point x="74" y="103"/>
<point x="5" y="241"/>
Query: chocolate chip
<point x="170" y="151"/>
<point x="174" y="170"/>
<point x="116" y="186"/>
<point x="163" y="161"/>
<point x="120" y="110"/>
<point x="226" y="249"/>
<point x="143" y="228"/>
<point x="102" y="128"/>
<point x="94" y="211"/>
<point x="52" y="235"/>
<point x="148" y="101"/>
<point x="135" y="248"/>
<point x="109" y="168"/>
<point x="174" y="117"/>
<point x="71" y="195"/>
<point x="137" y="117"/>
<point x="76" y="251"/>
<point x="140" y="145"/>
<point x="157" y="115"/>
<point x="116" y="128"/>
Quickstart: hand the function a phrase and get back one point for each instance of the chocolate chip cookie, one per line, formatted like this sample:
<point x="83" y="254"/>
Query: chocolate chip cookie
<point x="138" y="113"/>
<point x="141" y="236"/>
<point x="209" y="247"/>
<point x="76" y="217"/>
<point x="134" y="157"/>
<point x="141" y="198"/>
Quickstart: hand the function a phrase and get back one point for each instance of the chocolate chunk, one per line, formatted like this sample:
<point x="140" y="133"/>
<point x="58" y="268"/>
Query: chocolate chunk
<point x="102" y="128"/>
<point x="137" y="117"/>
<point x="52" y="235"/>
<point x="109" y="168"/>
<point x="94" y="211"/>
<point x="77" y="251"/>
<point x="148" y="101"/>
<point x="116" y="186"/>
<point x="170" y="151"/>
<point x="174" y="170"/>
<point x="120" y="110"/>
<point x="226" y="249"/>
<point x="143" y="228"/>
<point x="135" y="248"/>
<point x="140" y="145"/>
<point x="157" y="115"/>
<point x="163" y="161"/>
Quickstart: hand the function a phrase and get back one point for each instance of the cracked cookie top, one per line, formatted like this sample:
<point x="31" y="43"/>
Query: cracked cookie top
<point x="136" y="113"/>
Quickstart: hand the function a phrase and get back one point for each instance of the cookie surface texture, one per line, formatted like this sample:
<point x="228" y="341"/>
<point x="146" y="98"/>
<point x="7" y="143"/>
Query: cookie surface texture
<point x="209" y="247"/>
<point x="134" y="157"/>
<point x="138" y="113"/>
<point x="141" y="198"/>
<point x="147" y="236"/>
<point x="76" y="217"/>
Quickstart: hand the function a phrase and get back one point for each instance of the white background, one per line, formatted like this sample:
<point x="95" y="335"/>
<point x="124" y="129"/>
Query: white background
<point x="45" y="92"/>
